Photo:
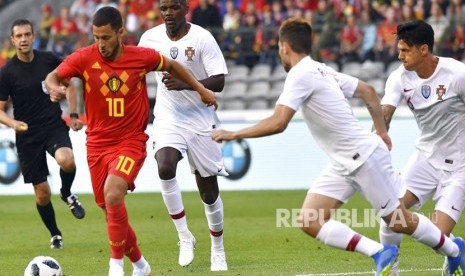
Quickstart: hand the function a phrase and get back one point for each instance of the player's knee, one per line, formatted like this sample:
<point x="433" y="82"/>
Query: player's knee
<point x="166" y="172"/>
<point x="209" y="197"/>
<point x="66" y="162"/>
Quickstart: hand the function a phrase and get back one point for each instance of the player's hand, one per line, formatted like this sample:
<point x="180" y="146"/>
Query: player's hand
<point x="387" y="139"/>
<point x="208" y="97"/>
<point x="173" y="83"/>
<point x="20" y="127"/>
<point x="57" y="93"/>
<point x="221" y="135"/>
<point x="75" y="124"/>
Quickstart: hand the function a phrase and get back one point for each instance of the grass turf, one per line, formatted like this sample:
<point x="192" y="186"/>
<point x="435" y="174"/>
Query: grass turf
<point x="254" y="244"/>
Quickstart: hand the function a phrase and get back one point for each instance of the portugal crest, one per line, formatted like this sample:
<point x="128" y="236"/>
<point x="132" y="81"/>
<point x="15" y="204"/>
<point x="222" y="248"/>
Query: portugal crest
<point x="190" y="53"/>
<point x="441" y="91"/>
<point x="174" y="52"/>
<point x="114" y="84"/>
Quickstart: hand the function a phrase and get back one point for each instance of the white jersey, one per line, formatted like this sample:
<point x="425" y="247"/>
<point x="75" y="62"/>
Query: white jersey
<point x="321" y="94"/>
<point x="439" y="109"/>
<point x="200" y="54"/>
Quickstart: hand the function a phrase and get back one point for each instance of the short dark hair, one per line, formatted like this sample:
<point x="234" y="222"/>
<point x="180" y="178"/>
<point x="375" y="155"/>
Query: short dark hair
<point x="416" y="33"/>
<point x="108" y="15"/>
<point x="21" y="22"/>
<point x="298" y="33"/>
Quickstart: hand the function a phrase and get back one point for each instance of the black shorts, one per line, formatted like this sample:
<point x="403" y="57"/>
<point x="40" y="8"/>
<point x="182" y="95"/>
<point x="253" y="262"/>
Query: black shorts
<point x="32" y="148"/>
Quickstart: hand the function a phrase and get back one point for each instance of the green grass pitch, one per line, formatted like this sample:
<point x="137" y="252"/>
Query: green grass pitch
<point x="254" y="244"/>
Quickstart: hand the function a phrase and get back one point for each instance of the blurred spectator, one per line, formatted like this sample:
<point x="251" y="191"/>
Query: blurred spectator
<point x="46" y="21"/>
<point x="207" y="15"/>
<point x="457" y="47"/>
<point x="86" y="7"/>
<point x="266" y="38"/>
<point x="137" y="14"/>
<point x="7" y="51"/>
<point x="64" y="33"/>
<point x="278" y="14"/>
<point x="232" y="17"/>
<point x="407" y="13"/>
<point x="455" y="12"/>
<point x="366" y="5"/>
<point x="369" y="37"/>
<point x="351" y="40"/>
<point x="386" y="44"/>
<point x="419" y="10"/>
<point x="439" y="23"/>
<point x="244" y="6"/>
<point x="104" y="3"/>
<point x="326" y="44"/>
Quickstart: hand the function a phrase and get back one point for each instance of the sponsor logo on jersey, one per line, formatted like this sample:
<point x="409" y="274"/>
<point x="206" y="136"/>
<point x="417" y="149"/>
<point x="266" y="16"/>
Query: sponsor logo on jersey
<point x="96" y="65"/>
<point x="174" y="52"/>
<point x="441" y="91"/>
<point x="114" y="83"/>
<point x="425" y="91"/>
<point x="190" y="53"/>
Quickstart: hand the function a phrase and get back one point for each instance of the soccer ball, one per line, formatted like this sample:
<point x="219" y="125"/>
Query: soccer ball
<point x="43" y="266"/>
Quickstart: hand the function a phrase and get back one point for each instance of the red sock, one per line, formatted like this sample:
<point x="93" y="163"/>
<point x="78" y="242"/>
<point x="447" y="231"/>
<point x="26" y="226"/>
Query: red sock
<point x="117" y="227"/>
<point x="132" y="249"/>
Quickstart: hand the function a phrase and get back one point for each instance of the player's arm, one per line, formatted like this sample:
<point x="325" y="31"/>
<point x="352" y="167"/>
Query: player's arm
<point x="71" y="97"/>
<point x="56" y="86"/>
<point x="276" y="123"/>
<point x="388" y="112"/>
<point x="18" y="126"/>
<point x="368" y="94"/>
<point x="178" y="71"/>
<point x="214" y="83"/>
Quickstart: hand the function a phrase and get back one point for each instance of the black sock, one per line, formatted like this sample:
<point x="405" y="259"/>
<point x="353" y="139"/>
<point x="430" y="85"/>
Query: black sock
<point x="48" y="217"/>
<point x="67" y="179"/>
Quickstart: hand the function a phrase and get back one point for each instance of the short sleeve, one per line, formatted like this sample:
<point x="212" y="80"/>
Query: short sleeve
<point x="393" y="90"/>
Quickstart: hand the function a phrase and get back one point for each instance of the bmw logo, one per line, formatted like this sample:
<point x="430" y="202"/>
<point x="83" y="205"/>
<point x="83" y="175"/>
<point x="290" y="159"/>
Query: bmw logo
<point x="9" y="163"/>
<point x="237" y="157"/>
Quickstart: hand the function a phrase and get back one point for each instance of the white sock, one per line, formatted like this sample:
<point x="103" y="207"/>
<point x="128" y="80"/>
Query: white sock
<point x="117" y="262"/>
<point x="427" y="233"/>
<point x="214" y="214"/>
<point x="173" y="202"/>
<point x="339" y="235"/>
<point x="140" y="264"/>
<point x="387" y="236"/>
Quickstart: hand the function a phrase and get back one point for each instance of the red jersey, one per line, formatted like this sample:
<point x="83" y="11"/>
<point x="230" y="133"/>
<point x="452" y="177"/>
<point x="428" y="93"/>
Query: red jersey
<point x="115" y="92"/>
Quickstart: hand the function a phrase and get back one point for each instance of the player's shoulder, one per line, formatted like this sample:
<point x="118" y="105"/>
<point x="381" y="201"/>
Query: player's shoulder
<point x="159" y="29"/>
<point x="451" y="63"/>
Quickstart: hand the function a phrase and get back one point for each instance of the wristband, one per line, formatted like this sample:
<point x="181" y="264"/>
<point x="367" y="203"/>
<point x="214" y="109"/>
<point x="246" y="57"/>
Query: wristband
<point x="74" y="115"/>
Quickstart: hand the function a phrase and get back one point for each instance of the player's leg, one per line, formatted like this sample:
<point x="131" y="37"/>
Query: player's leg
<point x="325" y="196"/>
<point x="59" y="146"/>
<point x="206" y="161"/>
<point x="33" y="163"/>
<point x="124" y="165"/>
<point x="209" y="192"/>
<point x="47" y="213"/>
<point x="167" y="160"/>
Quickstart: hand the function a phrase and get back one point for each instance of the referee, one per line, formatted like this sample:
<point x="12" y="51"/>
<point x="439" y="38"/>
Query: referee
<point x="39" y="125"/>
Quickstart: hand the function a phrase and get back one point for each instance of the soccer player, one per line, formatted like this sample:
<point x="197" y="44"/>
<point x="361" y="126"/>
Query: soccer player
<point x="183" y="125"/>
<point x="38" y="125"/>
<point x="434" y="89"/>
<point x="117" y="108"/>
<point x="359" y="160"/>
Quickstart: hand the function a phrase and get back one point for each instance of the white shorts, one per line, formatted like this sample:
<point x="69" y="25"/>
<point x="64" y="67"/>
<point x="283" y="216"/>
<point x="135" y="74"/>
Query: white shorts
<point x="375" y="179"/>
<point x="203" y="154"/>
<point x="447" y="189"/>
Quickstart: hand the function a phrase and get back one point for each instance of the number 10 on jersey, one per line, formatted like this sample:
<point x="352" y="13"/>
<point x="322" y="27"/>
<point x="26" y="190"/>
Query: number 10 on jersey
<point x="115" y="107"/>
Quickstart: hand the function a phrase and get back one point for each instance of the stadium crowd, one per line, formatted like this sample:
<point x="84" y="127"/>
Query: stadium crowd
<point x="345" y="30"/>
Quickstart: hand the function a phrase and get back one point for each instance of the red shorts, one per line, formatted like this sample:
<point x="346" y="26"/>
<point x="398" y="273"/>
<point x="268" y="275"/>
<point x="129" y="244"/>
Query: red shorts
<point x="124" y="160"/>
